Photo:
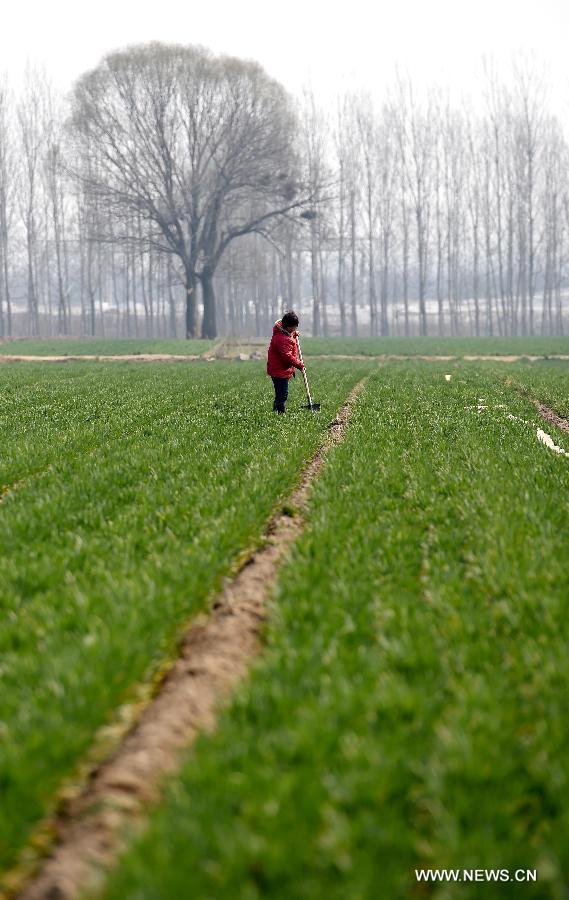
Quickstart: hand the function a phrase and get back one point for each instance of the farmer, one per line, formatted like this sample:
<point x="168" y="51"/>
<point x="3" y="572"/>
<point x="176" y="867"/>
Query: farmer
<point x="282" y="358"/>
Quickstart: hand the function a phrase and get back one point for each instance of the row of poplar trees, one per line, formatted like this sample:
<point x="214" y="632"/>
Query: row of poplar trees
<point x="176" y="193"/>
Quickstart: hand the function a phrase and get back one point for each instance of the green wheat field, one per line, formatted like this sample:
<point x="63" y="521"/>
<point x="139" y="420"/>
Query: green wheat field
<point x="409" y="707"/>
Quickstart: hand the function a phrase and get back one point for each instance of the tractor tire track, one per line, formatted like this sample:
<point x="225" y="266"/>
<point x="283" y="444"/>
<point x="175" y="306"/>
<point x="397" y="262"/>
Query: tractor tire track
<point x="216" y="652"/>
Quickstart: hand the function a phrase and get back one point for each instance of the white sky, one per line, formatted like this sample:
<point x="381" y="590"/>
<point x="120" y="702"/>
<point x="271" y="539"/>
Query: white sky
<point x="332" y="45"/>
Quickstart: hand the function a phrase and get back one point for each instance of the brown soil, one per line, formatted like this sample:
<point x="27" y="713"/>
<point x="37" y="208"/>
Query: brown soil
<point x="545" y="411"/>
<point x="8" y="489"/>
<point x="222" y="351"/>
<point x="550" y="416"/>
<point x="215" y="655"/>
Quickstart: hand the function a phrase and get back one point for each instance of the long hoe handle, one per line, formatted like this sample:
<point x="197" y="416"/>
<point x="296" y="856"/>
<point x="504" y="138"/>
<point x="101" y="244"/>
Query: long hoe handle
<point x="304" y="374"/>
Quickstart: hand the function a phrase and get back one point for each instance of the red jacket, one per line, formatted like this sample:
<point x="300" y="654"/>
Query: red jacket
<point x="282" y="359"/>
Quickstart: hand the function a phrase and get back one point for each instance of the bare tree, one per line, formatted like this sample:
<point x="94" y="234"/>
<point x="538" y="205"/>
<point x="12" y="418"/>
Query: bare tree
<point x="453" y="142"/>
<point x="474" y="196"/>
<point x="315" y="133"/>
<point x="386" y="206"/>
<point x="201" y="147"/>
<point x="55" y="193"/>
<point x="416" y="140"/>
<point x="341" y="156"/>
<point x="30" y="116"/>
<point x="352" y="156"/>
<point x="368" y="138"/>
<point x="497" y="108"/>
<point x="531" y="102"/>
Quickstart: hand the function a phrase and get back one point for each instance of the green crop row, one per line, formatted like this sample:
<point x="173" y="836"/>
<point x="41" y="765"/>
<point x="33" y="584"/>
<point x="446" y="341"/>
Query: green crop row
<point x="103" y="557"/>
<point x="438" y="346"/>
<point x="54" y="413"/>
<point x="544" y="381"/>
<point x="412" y="346"/>
<point x="101" y="346"/>
<point x="410" y="708"/>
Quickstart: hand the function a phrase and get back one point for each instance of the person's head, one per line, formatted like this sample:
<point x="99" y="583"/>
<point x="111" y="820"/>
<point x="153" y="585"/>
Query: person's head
<point x="290" y="320"/>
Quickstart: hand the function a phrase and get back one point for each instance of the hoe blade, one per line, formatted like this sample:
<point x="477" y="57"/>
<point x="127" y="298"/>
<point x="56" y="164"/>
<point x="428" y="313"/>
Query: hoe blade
<point x="315" y="407"/>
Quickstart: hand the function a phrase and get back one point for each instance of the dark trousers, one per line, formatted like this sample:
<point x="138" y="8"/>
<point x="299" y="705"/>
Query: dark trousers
<point x="281" y="393"/>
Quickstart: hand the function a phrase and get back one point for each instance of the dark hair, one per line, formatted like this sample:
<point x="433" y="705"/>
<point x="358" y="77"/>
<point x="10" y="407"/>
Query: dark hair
<point x="290" y="319"/>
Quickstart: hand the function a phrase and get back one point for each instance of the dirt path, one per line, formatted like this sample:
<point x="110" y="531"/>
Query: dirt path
<point x="545" y="411"/>
<point x="137" y="357"/>
<point x="221" y="351"/>
<point x="216" y="653"/>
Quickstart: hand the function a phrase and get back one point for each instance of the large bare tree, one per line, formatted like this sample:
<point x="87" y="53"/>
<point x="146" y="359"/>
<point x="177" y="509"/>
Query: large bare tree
<point x="201" y="147"/>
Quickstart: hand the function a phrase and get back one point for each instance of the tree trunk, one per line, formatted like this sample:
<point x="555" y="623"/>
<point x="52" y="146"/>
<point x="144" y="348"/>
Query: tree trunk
<point x="4" y="274"/>
<point x="191" y="284"/>
<point x="476" y="281"/>
<point x="315" y="281"/>
<point x="91" y="287"/>
<point x="384" y="330"/>
<point x="171" y="301"/>
<point x="353" y="264"/>
<point x="422" y="264"/>
<point x="33" y="324"/>
<point x="322" y="266"/>
<point x="209" y="326"/>
<point x="405" y="248"/>
<point x="340" y="273"/>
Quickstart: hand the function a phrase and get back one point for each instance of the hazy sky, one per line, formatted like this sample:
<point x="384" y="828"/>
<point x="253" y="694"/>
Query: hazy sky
<point x="330" y="44"/>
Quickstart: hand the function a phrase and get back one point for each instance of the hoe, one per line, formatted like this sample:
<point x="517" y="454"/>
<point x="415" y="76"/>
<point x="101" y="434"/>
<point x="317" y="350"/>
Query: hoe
<point x="313" y="407"/>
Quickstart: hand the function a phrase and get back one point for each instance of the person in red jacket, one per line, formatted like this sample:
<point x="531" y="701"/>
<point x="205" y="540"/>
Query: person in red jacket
<point x="282" y="358"/>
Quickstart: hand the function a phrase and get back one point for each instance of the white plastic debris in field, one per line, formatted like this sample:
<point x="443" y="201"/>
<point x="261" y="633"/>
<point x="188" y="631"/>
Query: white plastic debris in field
<point x="448" y="377"/>
<point x="549" y="442"/>
<point x="517" y="419"/>
<point x="542" y="436"/>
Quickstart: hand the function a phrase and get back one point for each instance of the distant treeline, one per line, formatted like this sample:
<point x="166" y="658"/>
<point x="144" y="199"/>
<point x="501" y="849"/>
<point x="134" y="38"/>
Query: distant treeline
<point x="175" y="193"/>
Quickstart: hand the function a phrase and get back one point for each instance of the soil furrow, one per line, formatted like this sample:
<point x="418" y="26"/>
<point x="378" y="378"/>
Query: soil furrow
<point x="545" y="411"/>
<point x="216" y="653"/>
<point x="551" y="416"/>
